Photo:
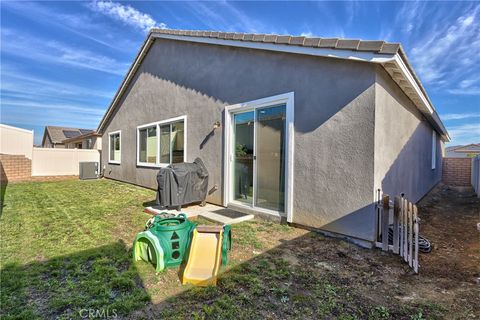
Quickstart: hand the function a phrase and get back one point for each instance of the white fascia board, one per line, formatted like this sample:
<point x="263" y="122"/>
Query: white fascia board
<point x="323" y="52"/>
<point x="411" y="80"/>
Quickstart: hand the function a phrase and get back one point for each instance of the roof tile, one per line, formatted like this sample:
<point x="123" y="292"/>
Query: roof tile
<point x="328" y="43"/>
<point x="390" y="48"/>
<point x="297" y="41"/>
<point x="283" y="39"/>
<point x="347" y="44"/>
<point x="248" y="37"/>
<point x="238" y="36"/>
<point x="258" y="37"/>
<point x="311" y="42"/>
<point x="370" y="45"/>
<point x="270" y="38"/>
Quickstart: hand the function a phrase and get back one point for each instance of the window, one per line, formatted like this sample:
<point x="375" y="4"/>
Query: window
<point x="148" y="145"/>
<point x="114" y="151"/>
<point x="161" y="143"/>
<point x="434" y="149"/>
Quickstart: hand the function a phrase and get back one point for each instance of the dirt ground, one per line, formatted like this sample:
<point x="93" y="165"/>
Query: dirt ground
<point x="302" y="274"/>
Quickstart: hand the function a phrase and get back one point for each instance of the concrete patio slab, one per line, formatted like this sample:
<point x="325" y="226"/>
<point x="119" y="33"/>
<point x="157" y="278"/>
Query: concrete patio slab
<point x="209" y="211"/>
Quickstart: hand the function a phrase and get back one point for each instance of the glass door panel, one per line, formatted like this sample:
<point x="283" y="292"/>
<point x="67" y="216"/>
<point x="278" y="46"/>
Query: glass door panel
<point x="243" y="157"/>
<point x="270" y="158"/>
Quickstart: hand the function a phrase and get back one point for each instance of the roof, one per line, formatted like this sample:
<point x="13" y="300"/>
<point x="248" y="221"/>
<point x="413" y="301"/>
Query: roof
<point x="472" y="147"/>
<point x="390" y="55"/>
<point x="92" y="133"/>
<point x="59" y="134"/>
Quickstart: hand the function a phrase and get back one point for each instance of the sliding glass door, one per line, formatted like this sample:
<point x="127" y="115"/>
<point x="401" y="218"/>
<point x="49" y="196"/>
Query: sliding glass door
<point x="243" y="157"/>
<point x="259" y="158"/>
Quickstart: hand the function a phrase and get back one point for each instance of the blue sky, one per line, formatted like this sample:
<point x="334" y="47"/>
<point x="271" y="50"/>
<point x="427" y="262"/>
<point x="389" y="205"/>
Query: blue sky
<point x="61" y="62"/>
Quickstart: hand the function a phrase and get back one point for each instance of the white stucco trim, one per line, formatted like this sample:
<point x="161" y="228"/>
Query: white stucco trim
<point x="119" y="132"/>
<point x="287" y="99"/>
<point x="157" y="124"/>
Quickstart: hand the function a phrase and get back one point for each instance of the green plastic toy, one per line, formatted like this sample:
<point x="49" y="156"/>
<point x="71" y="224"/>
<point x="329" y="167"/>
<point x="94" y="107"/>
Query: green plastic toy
<point x="147" y="248"/>
<point x="227" y="243"/>
<point x="165" y="241"/>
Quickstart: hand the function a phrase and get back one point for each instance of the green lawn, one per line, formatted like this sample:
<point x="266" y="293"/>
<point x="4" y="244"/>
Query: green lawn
<point x="66" y="250"/>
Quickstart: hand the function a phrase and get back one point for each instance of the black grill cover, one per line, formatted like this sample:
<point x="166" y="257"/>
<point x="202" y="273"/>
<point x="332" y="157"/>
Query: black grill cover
<point x="182" y="183"/>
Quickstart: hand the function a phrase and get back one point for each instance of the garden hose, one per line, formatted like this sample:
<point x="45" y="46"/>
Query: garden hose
<point x="423" y="244"/>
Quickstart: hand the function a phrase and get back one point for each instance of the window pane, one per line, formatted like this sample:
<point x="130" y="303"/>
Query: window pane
<point x="115" y="147"/>
<point x="165" y="144"/>
<point x="270" y="151"/>
<point x="152" y="145"/>
<point x="177" y="142"/>
<point x="112" y="147"/>
<point x="142" y="141"/>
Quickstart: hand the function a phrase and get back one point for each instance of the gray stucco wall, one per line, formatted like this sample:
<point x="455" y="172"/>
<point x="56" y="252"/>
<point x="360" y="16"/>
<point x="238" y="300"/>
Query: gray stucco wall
<point x="334" y="122"/>
<point x="403" y="144"/>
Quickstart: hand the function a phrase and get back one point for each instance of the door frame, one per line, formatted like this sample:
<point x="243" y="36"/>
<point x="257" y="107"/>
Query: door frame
<point x="288" y="100"/>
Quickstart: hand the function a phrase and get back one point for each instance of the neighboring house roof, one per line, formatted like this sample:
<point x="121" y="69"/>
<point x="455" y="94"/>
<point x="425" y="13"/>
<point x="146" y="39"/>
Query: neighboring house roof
<point x="92" y="133"/>
<point x="58" y="134"/>
<point x="389" y="55"/>
<point x="469" y="148"/>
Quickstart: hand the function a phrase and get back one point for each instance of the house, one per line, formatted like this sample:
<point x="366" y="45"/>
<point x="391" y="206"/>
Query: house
<point x="295" y="128"/>
<point x="54" y="137"/>
<point x="90" y="140"/>
<point x="466" y="151"/>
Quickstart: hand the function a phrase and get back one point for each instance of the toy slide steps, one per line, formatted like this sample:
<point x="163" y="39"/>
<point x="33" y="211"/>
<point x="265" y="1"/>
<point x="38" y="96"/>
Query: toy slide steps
<point x="205" y="256"/>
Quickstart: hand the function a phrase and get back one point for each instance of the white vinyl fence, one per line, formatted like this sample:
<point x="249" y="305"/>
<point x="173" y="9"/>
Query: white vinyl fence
<point x="60" y="162"/>
<point x="16" y="141"/>
<point x="397" y="228"/>
<point x="476" y="175"/>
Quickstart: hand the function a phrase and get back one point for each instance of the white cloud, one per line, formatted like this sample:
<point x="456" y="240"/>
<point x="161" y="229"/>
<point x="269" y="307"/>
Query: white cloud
<point x="79" y="24"/>
<point x="446" y="55"/>
<point x="48" y="106"/>
<point x="459" y="116"/>
<point x="307" y="34"/>
<point x="126" y="14"/>
<point x="225" y="16"/>
<point x="465" y="133"/>
<point x="18" y="84"/>
<point x="48" y="51"/>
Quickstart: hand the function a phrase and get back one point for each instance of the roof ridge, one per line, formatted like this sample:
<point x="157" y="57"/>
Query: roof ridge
<point x="378" y="46"/>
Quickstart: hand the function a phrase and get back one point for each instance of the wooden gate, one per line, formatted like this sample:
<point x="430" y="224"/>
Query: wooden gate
<point x="397" y="227"/>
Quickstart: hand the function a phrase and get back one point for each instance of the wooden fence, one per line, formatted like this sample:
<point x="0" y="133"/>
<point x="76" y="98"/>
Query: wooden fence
<point x="397" y="228"/>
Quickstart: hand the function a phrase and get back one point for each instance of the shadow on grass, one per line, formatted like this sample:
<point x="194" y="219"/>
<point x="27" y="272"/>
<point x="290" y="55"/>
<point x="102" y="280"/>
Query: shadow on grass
<point x="302" y="278"/>
<point x="102" y="281"/>
<point x="3" y="187"/>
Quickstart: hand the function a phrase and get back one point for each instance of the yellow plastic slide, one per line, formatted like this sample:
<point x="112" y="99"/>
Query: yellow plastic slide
<point x="205" y="256"/>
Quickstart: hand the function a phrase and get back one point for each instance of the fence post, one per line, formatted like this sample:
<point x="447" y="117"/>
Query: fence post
<point x="378" y="211"/>
<point x="402" y="222"/>
<point x="405" y="230"/>
<point x="385" y="220"/>
<point x="410" y="234"/>
<point x="396" y="213"/>
<point x="415" y="230"/>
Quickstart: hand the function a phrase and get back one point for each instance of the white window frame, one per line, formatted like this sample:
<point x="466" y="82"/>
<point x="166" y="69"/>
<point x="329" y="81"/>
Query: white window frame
<point x="119" y="132"/>
<point x="158" y="124"/>
<point x="288" y="100"/>
<point x="434" y="149"/>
